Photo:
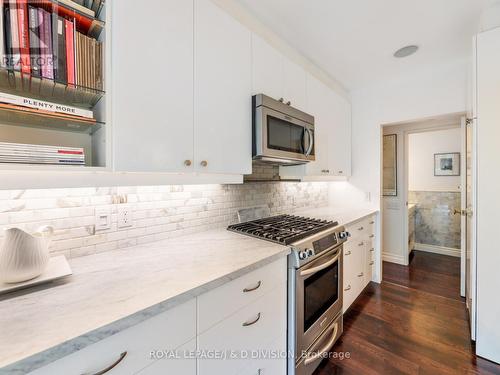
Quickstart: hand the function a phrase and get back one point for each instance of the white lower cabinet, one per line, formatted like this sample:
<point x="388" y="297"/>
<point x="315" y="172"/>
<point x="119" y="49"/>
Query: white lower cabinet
<point x="244" y="334"/>
<point x="246" y="317"/>
<point x="183" y="363"/>
<point x="359" y="259"/>
<point x="165" y="331"/>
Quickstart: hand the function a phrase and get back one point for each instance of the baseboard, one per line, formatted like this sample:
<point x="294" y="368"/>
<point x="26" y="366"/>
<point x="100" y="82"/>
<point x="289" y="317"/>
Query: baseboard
<point x="438" y="249"/>
<point x="398" y="259"/>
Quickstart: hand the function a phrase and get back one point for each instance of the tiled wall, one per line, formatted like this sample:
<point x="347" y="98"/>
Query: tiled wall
<point x="159" y="212"/>
<point x="435" y="223"/>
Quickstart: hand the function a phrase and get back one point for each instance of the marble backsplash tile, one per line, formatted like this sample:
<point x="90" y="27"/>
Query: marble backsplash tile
<point x="159" y="212"/>
<point x="435" y="223"/>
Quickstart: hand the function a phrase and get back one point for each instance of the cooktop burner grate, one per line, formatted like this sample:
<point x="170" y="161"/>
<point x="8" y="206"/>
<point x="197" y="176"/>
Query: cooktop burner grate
<point x="282" y="229"/>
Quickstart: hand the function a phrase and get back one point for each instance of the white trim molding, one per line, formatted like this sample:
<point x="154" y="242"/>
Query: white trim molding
<point x="437" y="249"/>
<point x="394" y="258"/>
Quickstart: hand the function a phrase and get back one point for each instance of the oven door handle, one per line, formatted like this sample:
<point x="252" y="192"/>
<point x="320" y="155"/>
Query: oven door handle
<point x="316" y="355"/>
<point x="311" y="141"/>
<point x="310" y="271"/>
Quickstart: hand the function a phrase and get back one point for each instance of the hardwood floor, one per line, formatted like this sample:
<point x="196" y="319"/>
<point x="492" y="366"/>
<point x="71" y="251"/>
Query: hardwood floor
<point x="414" y="322"/>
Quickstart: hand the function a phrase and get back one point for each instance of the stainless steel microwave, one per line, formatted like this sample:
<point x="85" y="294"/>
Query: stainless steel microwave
<point x="281" y="134"/>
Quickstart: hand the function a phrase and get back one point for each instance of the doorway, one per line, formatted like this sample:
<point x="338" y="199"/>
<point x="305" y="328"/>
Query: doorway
<point x="428" y="183"/>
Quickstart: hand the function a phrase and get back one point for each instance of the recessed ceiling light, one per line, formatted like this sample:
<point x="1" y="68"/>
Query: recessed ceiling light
<point x="406" y="51"/>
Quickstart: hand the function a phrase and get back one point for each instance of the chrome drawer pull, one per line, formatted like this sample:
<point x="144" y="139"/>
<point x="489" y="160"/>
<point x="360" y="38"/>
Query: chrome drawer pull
<point x="361" y="274"/>
<point x="246" y="324"/>
<point x="372" y="263"/>
<point x="361" y="228"/>
<point x="315" y="355"/>
<point x="246" y="290"/>
<point x="372" y="235"/>
<point x="112" y="366"/>
<point x="372" y="222"/>
<point x="348" y="253"/>
<point x="372" y="249"/>
<point x="361" y="243"/>
<point x="347" y="288"/>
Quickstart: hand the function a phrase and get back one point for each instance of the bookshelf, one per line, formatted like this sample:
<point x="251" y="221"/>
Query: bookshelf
<point x="51" y="104"/>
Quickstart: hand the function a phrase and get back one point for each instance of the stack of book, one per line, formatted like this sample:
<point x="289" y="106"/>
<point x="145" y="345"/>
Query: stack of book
<point x="40" y="154"/>
<point x="52" y="39"/>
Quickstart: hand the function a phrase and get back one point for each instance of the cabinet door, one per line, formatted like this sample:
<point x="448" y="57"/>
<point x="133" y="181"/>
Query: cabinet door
<point x="153" y="85"/>
<point x="222" y="107"/>
<point x="267" y="69"/>
<point x="294" y="84"/>
<point x="317" y="105"/>
<point x="339" y="135"/>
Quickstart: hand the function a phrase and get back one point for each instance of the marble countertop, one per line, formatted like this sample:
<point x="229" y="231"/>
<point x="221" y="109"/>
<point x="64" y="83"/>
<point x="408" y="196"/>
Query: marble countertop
<point x="112" y="291"/>
<point x="344" y="215"/>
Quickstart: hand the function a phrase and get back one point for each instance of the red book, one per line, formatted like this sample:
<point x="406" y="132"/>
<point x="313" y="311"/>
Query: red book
<point x="24" y="42"/>
<point x="70" y="50"/>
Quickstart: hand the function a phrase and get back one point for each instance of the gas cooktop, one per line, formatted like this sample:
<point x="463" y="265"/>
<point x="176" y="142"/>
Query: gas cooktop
<point x="282" y="229"/>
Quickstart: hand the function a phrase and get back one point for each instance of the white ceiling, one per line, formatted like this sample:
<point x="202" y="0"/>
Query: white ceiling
<point x="354" y="40"/>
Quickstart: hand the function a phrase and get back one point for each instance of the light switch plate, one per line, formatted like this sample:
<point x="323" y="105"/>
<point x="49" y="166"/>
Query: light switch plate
<point x="102" y="219"/>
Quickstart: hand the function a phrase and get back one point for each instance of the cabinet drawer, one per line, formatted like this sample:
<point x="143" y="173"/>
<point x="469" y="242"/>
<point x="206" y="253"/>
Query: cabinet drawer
<point x="184" y="364"/>
<point x="165" y="331"/>
<point x="220" y="303"/>
<point x="362" y="228"/>
<point x="266" y="365"/>
<point x="248" y="329"/>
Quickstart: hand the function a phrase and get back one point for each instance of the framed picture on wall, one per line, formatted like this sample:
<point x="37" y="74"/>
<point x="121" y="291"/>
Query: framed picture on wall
<point x="447" y="164"/>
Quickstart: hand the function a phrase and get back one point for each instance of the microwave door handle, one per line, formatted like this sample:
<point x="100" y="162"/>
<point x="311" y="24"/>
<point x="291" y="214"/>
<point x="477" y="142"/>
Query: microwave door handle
<point x="310" y="271"/>
<point x="311" y="142"/>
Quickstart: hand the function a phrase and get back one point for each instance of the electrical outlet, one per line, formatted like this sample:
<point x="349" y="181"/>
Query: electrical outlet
<point x="125" y="219"/>
<point x="102" y="219"/>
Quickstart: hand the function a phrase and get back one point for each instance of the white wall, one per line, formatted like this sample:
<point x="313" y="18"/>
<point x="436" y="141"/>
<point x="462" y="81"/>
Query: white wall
<point x="438" y="91"/>
<point x="421" y="150"/>
<point x="431" y="92"/>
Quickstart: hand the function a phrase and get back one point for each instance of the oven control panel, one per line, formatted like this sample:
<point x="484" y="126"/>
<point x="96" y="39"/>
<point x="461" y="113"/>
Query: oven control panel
<point x="325" y="243"/>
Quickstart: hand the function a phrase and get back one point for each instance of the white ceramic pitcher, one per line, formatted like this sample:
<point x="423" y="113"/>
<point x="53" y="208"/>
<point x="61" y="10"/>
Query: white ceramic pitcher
<point x="24" y="256"/>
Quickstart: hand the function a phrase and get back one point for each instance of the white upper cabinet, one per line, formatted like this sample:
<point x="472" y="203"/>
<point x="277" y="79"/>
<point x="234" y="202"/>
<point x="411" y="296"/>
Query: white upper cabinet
<point x="276" y="76"/>
<point x="267" y="69"/>
<point x="153" y="86"/>
<point x="318" y="106"/>
<point x="339" y="136"/>
<point x="332" y="134"/>
<point x="222" y="92"/>
<point x="294" y="85"/>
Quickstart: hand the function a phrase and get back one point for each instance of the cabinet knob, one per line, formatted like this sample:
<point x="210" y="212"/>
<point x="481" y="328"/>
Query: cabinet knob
<point x="372" y="235"/>
<point x="288" y="102"/>
<point x="187" y="163"/>
<point x="341" y="172"/>
<point x="281" y="100"/>
<point x="361" y="274"/>
<point x="347" y="288"/>
<point x="372" y="263"/>
<point x="204" y="163"/>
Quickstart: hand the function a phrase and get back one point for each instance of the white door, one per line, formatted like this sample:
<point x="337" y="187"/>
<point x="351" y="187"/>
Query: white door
<point x="267" y="69"/>
<point x="487" y="134"/>
<point x="152" y="85"/>
<point x="223" y="90"/>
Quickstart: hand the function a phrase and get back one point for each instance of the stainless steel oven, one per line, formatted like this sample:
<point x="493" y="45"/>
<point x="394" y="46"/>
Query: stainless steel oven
<point x="315" y="298"/>
<point x="281" y="134"/>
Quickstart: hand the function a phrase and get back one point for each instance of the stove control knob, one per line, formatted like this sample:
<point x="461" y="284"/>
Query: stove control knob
<point x="310" y="252"/>
<point x="302" y="255"/>
<point x="344" y="235"/>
